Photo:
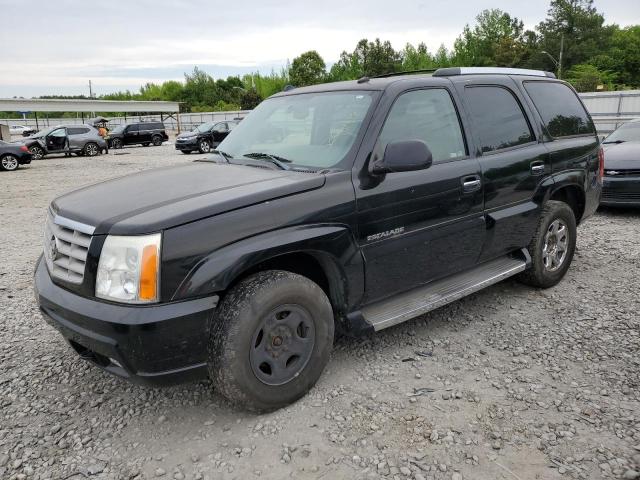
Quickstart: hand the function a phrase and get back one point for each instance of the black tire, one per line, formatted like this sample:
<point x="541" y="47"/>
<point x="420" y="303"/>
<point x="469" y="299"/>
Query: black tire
<point x="186" y="152"/>
<point x="258" y="308"/>
<point x="9" y="163"/>
<point x="204" y="146"/>
<point x="156" y="140"/>
<point x="37" y="152"/>
<point x="116" y="144"/>
<point x="91" y="149"/>
<point x="545" y="247"/>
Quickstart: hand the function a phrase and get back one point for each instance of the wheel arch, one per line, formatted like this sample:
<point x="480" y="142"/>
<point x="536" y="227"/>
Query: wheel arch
<point x="572" y="194"/>
<point x="326" y="254"/>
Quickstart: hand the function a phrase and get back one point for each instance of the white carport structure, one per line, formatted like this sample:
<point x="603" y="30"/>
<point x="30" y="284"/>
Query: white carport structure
<point x="35" y="105"/>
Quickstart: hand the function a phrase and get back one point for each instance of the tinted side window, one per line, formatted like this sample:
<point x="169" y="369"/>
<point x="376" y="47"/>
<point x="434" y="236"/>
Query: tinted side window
<point x="156" y="126"/>
<point x="427" y="115"/>
<point x="560" y="109"/>
<point x="132" y="128"/>
<point x="498" y="118"/>
<point x="77" y="131"/>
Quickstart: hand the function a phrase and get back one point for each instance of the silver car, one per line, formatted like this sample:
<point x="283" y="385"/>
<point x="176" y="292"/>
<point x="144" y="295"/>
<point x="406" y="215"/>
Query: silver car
<point x="78" y="139"/>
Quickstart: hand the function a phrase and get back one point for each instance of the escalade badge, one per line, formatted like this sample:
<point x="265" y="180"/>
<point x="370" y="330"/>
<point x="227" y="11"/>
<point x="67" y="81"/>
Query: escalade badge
<point x="387" y="234"/>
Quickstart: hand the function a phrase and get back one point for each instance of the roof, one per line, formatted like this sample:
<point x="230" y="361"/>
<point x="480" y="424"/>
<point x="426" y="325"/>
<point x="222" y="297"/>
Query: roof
<point x="89" y="105"/>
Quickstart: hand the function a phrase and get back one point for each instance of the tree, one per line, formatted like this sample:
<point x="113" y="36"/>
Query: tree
<point x="250" y="99"/>
<point x="307" y="69"/>
<point x="579" y="26"/>
<point x="587" y="78"/>
<point x="497" y="39"/>
<point x="368" y="59"/>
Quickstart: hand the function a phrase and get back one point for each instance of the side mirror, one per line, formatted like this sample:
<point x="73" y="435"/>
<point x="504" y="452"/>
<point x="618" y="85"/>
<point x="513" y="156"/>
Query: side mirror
<point x="403" y="156"/>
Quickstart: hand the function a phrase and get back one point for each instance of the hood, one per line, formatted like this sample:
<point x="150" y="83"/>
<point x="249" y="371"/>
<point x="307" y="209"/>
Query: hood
<point x="622" y="156"/>
<point x="187" y="134"/>
<point x="158" y="199"/>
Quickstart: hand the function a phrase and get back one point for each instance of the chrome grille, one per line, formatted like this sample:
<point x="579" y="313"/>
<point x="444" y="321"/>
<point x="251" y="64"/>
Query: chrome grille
<point x="66" y="244"/>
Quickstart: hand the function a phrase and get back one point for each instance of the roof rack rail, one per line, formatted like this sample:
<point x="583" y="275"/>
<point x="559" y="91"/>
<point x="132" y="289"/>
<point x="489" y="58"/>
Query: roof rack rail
<point x="452" y="71"/>
<point x="407" y="72"/>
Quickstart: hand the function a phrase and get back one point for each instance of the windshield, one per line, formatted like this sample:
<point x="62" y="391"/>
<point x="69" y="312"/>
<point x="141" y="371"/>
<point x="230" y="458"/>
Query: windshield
<point x="629" y="132"/>
<point x="205" y="127"/>
<point x="313" y="130"/>
<point x="44" y="133"/>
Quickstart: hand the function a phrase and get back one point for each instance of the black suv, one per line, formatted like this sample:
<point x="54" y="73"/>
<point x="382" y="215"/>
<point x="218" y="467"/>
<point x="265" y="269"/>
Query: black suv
<point x="143" y="133"/>
<point x="204" y="137"/>
<point x="348" y="206"/>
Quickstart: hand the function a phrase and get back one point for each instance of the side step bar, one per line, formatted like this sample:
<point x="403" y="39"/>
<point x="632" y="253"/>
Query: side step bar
<point x="404" y="306"/>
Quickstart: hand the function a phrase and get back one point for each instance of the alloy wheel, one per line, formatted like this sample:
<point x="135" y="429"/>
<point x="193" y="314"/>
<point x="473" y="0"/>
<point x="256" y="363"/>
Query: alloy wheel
<point x="9" y="162"/>
<point x="554" y="249"/>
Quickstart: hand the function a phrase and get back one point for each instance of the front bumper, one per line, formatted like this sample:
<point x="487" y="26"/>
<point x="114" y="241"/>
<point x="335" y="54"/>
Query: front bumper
<point x="186" y="145"/>
<point x="152" y="345"/>
<point x="623" y="191"/>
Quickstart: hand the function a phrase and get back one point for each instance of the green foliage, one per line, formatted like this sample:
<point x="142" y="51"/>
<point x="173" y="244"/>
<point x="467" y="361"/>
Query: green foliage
<point x="307" y="69"/>
<point x="587" y="78"/>
<point x="368" y="59"/>
<point x="266" y="85"/>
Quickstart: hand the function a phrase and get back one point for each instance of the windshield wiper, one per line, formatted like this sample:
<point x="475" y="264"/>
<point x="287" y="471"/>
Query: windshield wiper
<point x="224" y="155"/>
<point x="275" y="159"/>
<point x="614" y="141"/>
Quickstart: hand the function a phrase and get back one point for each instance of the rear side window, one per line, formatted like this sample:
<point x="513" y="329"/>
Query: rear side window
<point x="427" y="115"/>
<point x="560" y="109"/>
<point x="132" y="128"/>
<point x="77" y="131"/>
<point x="498" y="118"/>
<point x="156" y="126"/>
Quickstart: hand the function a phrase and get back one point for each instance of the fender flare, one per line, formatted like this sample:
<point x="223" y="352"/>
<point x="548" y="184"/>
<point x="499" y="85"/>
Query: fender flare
<point x="333" y="246"/>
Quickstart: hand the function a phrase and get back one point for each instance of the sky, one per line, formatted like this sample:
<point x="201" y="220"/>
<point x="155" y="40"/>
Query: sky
<point x="49" y="48"/>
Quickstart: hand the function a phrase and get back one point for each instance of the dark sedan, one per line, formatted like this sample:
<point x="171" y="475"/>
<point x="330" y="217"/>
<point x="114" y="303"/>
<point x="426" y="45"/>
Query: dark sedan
<point x="13" y="155"/>
<point x="621" y="184"/>
<point x="204" y="137"/>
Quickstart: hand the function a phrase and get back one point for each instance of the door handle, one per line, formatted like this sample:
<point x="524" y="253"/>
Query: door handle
<point x="537" y="168"/>
<point x="471" y="184"/>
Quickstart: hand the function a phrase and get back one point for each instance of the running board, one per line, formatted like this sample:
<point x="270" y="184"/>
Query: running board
<point x="404" y="306"/>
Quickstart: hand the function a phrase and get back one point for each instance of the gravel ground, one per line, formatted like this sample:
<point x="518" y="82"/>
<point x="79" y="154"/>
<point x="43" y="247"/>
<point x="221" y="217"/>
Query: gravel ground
<point x="510" y="383"/>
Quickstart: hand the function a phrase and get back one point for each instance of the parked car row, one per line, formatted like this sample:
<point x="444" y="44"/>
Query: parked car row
<point x="205" y="137"/>
<point x="621" y="185"/>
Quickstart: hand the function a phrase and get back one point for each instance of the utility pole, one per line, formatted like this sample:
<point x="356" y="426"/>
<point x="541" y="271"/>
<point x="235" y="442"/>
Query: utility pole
<point x="560" y="57"/>
<point x="91" y="92"/>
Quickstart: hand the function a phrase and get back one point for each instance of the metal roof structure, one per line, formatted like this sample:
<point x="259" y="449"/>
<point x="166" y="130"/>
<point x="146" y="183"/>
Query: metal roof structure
<point x="89" y="105"/>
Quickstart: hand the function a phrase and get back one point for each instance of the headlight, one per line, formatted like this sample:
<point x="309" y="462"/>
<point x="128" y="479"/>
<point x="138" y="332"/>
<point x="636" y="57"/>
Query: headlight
<point x="129" y="269"/>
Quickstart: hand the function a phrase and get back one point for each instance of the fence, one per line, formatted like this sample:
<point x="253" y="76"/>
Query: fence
<point x="187" y="120"/>
<point x="609" y="110"/>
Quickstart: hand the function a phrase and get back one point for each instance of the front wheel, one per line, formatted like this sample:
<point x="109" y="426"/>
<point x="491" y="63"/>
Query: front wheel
<point x="37" y="152"/>
<point x="270" y="340"/>
<point x="156" y="140"/>
<point x="116" y="143"/>
<point x="9" y="163"/>
<point x="204" y="146"/>
<point x="552" y="246"/>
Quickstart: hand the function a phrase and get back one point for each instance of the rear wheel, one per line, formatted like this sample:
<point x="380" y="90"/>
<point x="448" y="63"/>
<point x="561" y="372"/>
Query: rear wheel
<point x="91" y="150"/>
<point x="156" y="140"/>
<point x="270" y="340"/>
<point x="37" y="152"/>
<point x="9" y="163"/>
<point x="116" y="143"/>
<point x="552" y="246"/>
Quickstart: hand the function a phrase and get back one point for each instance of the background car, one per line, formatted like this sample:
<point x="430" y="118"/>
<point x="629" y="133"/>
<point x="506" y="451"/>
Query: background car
<point x="12" y="155"/>
<point x="21" y="130"/>
<point x="143" y="133"/>
<point x="621" y="181"/>
<point x="204" y="137"/>
<point x="78" y="139"/>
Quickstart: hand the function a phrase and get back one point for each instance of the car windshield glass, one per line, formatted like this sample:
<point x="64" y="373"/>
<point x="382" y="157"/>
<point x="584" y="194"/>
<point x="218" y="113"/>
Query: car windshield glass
<point x="629" y="132"/>
<point x="44" y="133"/>
<point x="205" y="127"/>
<point x="313" y="130"/>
